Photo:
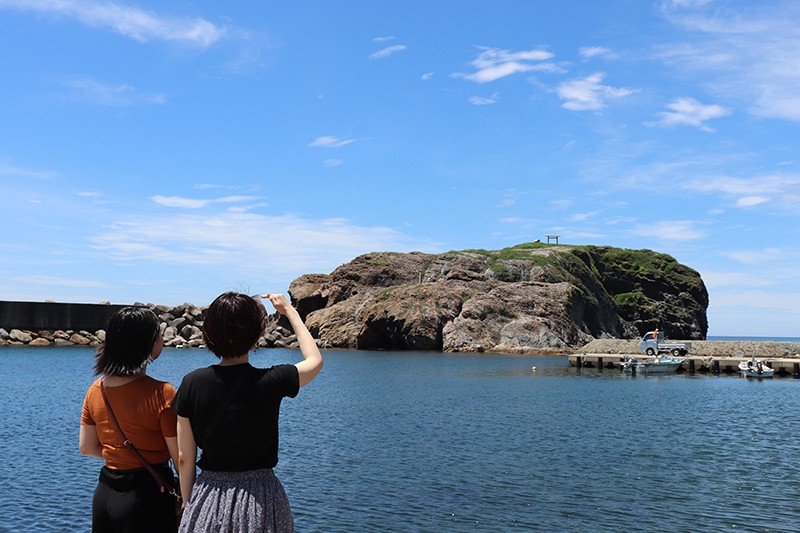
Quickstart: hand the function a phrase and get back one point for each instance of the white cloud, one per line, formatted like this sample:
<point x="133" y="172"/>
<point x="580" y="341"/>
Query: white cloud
<point x="110" y="95"/>
<point x="208" y="186"/>
<point x="748" y="201"/>
<point x="756" y="257"/>
<point x="197" y="203"/>
<point x="587" y="94"/>
<point x="57" y="281"/>
<point x="613" y="221"/>
<point x="748" y="192"/>
<point x="329" y="141"/>
<point x="580" y="217"/>
<point x="591" y="52"/>
<point x="495" y="63"/>
<point x="746" y="53"/>
<point x="389" y="50"/>
<point x="689" y="112"/>
<point x="669" y="230"/>
<point x="483" y="100"/>
<point x="127" y="20"/>
<point x="383" y="39"/>
<point x="255" y="243"/>
<point x="426" y="76"/>
<point x="686" y="3"/>
<point x="10" y="170"/>
<point x="717" y="280"/>
<point x="781" y="303"/>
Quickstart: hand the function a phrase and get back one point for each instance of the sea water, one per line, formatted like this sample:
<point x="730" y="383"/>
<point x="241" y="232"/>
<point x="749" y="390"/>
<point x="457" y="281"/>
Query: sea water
<point x="430" y="442"/>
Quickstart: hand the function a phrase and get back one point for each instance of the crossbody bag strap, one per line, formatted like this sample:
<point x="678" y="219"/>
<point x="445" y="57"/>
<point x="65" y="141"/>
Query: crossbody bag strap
<point x="223" y="408"/>
<point x="162" y="485"/>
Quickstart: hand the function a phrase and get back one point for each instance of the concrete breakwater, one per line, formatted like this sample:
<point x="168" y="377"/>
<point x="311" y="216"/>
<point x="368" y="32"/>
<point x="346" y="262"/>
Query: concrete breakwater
<point x="759" y="349"/>
<point x="180" y="326"/>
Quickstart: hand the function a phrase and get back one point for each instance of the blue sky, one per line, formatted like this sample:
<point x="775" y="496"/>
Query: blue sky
<point x="168" y="151"/>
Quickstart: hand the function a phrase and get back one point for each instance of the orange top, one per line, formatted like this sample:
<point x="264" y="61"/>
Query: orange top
<point x="142" y="408"/>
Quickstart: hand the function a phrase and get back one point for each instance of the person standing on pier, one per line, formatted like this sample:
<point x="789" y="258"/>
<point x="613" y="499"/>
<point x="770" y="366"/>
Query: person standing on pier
<point x="230" y="411"/>
<point x="128" y="498"/>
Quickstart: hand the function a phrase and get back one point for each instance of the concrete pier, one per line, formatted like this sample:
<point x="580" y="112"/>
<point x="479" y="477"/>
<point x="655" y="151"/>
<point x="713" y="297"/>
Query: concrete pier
<point x="788" y="367"/>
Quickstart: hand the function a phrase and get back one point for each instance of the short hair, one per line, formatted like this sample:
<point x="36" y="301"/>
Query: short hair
<point x="131" y="334"/>
<point x="233" y="324"/>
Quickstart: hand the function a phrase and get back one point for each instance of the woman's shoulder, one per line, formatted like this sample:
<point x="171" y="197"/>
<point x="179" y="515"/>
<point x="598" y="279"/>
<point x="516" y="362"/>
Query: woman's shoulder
<point x="93" y="389"/>
<point x="277" y="372"/>
<point x="199" y="377"/>
<point x="152" y="384"/>
<point x="272" y="369"/>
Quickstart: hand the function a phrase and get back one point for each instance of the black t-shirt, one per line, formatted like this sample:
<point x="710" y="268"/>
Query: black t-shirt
<point x="246" y="438"/>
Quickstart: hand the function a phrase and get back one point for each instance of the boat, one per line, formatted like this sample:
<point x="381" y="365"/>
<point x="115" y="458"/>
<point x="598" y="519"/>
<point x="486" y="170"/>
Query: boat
<point x="755" y="368"/>
<point x="652" y="365"/>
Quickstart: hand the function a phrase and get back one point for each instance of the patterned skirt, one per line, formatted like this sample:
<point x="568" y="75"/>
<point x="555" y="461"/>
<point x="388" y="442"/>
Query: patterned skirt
<point x="237" y="502"/>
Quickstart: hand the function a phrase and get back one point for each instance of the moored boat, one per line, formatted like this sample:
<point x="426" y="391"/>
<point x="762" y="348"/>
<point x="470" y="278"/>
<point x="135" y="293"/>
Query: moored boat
<point x="755" y="368"/>
<point x="655" y="365"/>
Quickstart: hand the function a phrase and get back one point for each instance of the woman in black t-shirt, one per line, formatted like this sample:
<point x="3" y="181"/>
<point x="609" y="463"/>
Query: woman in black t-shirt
<point x="230" y="411"/>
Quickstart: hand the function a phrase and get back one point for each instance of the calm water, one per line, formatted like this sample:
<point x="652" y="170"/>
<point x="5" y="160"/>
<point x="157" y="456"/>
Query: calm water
<point x="386" y="441"/>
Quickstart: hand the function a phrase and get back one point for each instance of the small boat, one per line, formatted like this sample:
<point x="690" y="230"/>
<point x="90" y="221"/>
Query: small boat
<point x="754" y="368"/>
<point x="656" y="365"/>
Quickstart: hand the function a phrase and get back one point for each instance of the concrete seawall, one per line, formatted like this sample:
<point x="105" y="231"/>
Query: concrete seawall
<point x="37" y="316"/>
<point x="760" y="349"/>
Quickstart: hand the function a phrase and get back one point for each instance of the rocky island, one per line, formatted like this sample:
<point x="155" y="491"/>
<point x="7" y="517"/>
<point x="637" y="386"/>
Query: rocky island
<point x="529" y="298"/>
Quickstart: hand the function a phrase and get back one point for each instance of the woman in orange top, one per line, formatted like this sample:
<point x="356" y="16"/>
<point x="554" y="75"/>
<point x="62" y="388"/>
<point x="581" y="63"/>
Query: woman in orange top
<point x="127" y="498"/>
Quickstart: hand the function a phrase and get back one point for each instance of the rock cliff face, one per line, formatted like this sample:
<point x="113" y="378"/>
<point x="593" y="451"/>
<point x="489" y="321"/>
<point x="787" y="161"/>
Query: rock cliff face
<point x="531" y="297"/>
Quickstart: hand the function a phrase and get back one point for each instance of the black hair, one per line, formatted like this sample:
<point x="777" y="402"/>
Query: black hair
<point x="131" y="334"/>
<point x="233" y="324"/>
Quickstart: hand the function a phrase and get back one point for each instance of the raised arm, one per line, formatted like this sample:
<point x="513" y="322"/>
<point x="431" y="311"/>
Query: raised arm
<point x="311" y="364"/>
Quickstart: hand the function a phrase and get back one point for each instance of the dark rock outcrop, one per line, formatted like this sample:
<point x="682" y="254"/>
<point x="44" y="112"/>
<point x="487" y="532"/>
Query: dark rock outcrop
<point x="531" y="297"/>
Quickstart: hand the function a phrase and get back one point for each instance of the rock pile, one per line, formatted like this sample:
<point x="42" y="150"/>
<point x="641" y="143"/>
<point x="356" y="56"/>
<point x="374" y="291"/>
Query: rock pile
<point x="17" y="337"/>
<point x="181" y="327"/>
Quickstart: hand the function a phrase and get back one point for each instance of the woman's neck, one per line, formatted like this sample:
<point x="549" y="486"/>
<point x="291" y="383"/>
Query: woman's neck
<point x="240" y="360"/>
<point x="117" y="381"/>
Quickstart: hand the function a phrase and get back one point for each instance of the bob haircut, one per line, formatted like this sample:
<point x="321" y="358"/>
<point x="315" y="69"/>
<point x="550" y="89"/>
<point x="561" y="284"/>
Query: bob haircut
<point x="233" y="324"/>
<point x="130" y="336"/>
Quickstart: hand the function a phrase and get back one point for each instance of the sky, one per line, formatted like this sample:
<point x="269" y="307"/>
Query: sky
<point x="167" y="151"/>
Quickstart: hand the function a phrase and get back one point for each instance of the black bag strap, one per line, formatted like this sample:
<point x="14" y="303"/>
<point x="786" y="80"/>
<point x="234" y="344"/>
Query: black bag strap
<point x="223" y="407"/>
<point x="162" y="484"/>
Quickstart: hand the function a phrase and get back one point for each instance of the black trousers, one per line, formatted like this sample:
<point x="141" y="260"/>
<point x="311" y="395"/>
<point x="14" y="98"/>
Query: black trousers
<point x="130" y="501"/>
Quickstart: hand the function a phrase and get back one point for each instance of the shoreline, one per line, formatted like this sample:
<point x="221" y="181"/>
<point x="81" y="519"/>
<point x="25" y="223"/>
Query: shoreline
<point x="280" y="338"/>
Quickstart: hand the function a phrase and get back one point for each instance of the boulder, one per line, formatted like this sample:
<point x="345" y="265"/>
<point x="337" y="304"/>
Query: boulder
<point x="169" y="333"/>
<point x="191" y="332"/>
<point x="39" y="341"/>
<point x="179" y="323"/>
<point x="20" y="336"/>
<point x="80" y="340"/>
